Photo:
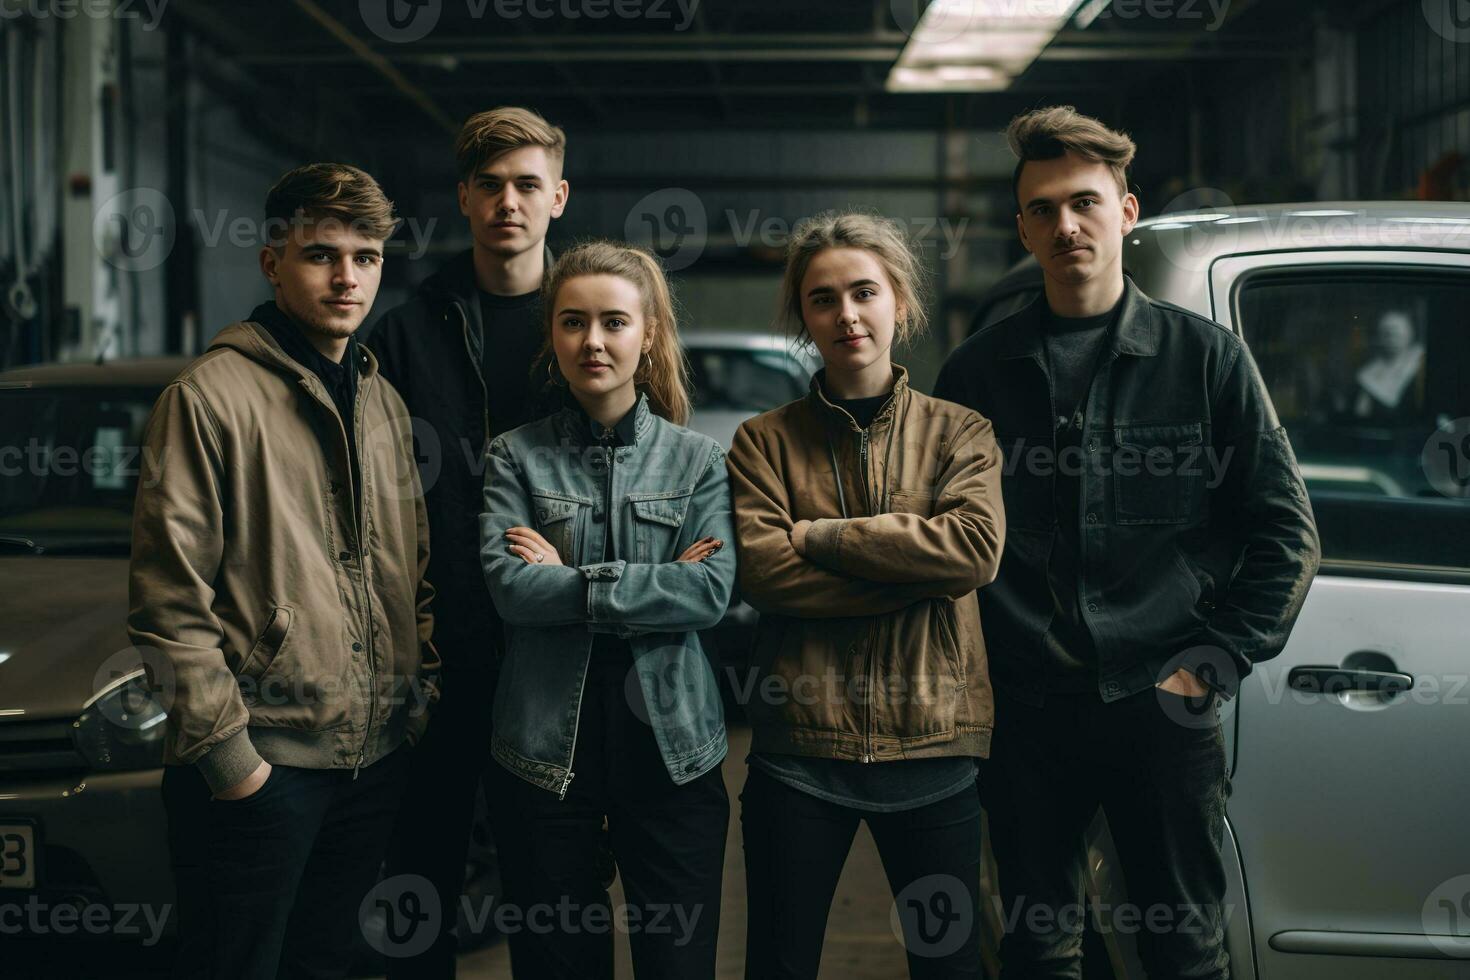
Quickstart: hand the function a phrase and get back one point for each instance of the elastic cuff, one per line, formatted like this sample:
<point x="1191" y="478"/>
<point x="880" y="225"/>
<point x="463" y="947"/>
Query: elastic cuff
<point x="822" y="539"/>
<point x="229" y="762"/>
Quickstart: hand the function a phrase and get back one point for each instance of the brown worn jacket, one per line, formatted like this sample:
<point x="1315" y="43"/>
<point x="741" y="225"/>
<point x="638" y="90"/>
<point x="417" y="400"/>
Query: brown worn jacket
<point x="869" y="645"/>
<point x="289" y="626"/>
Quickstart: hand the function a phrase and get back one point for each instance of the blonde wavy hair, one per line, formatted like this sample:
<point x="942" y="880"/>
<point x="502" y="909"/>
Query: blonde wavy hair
<point x="664" y="376"/>
<point x="888" y="243"/>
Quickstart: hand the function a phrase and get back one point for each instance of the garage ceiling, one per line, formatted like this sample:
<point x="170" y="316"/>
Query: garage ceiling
<point x="787" y="63"/>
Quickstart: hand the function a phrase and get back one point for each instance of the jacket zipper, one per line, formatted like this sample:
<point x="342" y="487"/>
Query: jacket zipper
<point x="479" y="375"/>
<point x="576" y="726"/>
<point x="367" y="593"/>
<point x="868" y="660"/>
<point x="582" y="689"/>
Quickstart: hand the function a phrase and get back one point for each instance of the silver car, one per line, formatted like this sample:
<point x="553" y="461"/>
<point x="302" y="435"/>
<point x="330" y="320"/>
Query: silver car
<point x="739" y="374"/>
<point x="1345" y="847"/>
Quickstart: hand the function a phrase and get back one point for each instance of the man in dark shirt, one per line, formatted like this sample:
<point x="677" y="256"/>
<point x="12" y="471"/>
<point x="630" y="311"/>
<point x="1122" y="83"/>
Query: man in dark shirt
<point x="462" y="352"/>
<point x="1134" y="590"/>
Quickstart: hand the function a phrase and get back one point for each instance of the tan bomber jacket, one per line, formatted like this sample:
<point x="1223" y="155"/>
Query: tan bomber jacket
<point x="869" y="644"/>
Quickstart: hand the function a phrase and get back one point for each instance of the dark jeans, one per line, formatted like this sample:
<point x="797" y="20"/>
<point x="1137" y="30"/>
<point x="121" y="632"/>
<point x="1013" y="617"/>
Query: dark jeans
<point x="432" y="833"/>
<point x="270" y="886"/>
<point x="668" y="842"/>
<point x="1157" y="769"/>
<point x="795" y="847"/>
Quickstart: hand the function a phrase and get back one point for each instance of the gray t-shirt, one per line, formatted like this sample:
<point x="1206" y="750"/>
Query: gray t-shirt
<point x="1074" y="347"/>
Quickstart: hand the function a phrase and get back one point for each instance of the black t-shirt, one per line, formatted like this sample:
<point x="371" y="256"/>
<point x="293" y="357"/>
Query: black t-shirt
<point x="863" y="410"/>
<point x="513" y="336"/>
<point x="1074" y="348"/>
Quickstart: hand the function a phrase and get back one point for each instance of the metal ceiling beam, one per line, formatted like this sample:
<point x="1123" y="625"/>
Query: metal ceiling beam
<point x="362" y="51"/>
<point x="520" y="54"/>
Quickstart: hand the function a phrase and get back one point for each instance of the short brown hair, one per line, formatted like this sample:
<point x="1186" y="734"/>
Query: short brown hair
<point x="486" y="135"/>
<point x="1046" y="134"/>
<point x="328" y="191"/>
<point x="888" y="243"/>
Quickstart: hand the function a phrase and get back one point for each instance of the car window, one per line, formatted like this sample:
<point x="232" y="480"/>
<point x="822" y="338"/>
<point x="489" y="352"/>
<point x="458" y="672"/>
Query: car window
<point x="730" y="379"/>
<point x="70" y="461"/>
<point x="1369" y="370"/>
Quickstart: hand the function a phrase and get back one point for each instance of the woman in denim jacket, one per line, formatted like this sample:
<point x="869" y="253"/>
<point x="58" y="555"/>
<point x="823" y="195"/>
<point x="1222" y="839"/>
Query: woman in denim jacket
<point x="603" y="546"/>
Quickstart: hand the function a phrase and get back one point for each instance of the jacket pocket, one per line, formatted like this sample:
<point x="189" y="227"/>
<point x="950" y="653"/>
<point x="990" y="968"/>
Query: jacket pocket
<point x="658" y="520"/>
<point x="268" y="645"/>
<point x="556" y="519"/>
<point x="1158" y="473"/>
<point x="948" y="637"/>
<point x="920" y="502"/>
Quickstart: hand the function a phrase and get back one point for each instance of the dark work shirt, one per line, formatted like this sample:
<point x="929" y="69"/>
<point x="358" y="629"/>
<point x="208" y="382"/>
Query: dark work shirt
<point x="340" y="380"/>
<point x="875" y="786"/>
<point x="513" y="336"/>
<point x="1074" y="346"/>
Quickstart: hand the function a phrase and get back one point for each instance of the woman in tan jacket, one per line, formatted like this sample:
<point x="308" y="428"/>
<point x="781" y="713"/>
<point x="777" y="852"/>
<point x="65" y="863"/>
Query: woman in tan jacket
<point x="866" y="516"/>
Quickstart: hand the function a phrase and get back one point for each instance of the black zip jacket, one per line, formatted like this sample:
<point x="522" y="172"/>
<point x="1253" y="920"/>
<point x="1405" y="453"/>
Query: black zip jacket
<point x="430" y="348"/>
<point x="1194" y="526"/>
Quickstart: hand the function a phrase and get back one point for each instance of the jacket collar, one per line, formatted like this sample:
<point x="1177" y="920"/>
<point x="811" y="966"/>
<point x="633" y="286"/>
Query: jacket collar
<point x="577" y="425"/>
<point x="840" y="418"/>
<point x="255" y="342"/>
<point x="1136" y="332"/>
<point x="454" y="282"/>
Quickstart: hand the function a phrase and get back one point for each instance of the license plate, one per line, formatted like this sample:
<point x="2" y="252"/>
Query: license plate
<point x="17" y="856"/>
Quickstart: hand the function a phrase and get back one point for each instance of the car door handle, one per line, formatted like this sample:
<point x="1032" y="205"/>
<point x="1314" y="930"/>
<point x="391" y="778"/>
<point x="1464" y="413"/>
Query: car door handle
<point x="1338" y="680"/>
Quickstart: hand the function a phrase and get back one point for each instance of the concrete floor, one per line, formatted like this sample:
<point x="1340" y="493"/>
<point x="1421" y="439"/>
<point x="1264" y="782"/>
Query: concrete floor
<point x="860" y="944"/>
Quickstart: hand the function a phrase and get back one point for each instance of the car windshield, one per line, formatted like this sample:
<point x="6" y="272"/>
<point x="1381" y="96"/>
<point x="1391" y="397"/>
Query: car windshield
<point x="730" y="379"/>
<point x="70" y="460"/>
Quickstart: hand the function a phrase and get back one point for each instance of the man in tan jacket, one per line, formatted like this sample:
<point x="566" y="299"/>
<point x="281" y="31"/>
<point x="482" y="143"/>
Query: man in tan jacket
<point x="279" y="549"/>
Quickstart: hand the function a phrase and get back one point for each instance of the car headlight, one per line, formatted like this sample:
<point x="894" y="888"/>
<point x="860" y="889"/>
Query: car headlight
<point x="122" y="728"/>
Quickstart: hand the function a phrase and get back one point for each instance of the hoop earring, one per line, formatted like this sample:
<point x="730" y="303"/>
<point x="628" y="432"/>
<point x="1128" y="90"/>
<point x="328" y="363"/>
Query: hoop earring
<point x="555" y="380"/>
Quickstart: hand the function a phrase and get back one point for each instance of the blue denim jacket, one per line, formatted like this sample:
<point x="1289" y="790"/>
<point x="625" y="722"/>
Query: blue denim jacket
<point x="664" y="492"/>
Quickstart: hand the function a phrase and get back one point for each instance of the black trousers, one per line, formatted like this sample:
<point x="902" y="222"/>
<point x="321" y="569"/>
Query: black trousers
<point x="431" y="836"/>
<point x="1156" y="766"/>
<point x="668" y="843"/>
<point x="795" y="847"/>
<point x="271" y="885"/>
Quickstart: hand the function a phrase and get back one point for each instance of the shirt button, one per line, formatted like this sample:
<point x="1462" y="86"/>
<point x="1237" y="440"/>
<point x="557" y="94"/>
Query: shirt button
<point x="1092" y="607"/>
<point x="1092" y="518"/>
<point x="357" y="648"/>
<point x="1061" y="421"/>
<point x="345" y="556"/>
<point x="1092" y="446"/>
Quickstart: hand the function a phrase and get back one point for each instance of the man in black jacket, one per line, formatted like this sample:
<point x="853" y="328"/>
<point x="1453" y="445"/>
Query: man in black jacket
<point x="1159" y="542"/>
<point x="463" y="353"/>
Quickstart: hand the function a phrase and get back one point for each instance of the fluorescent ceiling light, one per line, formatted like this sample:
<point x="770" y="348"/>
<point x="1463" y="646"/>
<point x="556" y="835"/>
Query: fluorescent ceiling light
<point x="1192" y="218"/>
<point x="976" y="45"/>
